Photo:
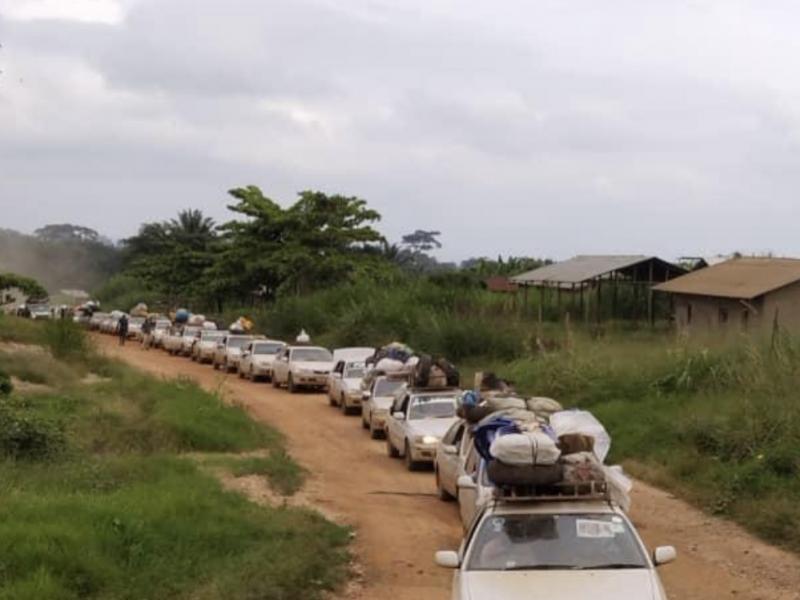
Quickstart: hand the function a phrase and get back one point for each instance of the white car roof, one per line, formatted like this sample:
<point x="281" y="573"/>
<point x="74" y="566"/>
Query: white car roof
<point x="352" y="354"/>
<point x="501" y="507"/>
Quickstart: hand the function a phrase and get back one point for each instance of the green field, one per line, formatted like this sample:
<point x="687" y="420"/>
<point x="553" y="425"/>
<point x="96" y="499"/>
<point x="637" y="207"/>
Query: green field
<point x="104" y="497"/>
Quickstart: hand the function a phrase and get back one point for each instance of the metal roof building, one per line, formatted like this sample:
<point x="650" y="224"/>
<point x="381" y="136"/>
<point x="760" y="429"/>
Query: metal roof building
<point x="585" y="269"/>
<point x="738" y="292"/>
<point x="634" y="273"/>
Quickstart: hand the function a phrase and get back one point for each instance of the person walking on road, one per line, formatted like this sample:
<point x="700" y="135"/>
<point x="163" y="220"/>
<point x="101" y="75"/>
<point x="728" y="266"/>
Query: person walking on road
<point x="122" y="329"/>
<point x="147" y="333"/>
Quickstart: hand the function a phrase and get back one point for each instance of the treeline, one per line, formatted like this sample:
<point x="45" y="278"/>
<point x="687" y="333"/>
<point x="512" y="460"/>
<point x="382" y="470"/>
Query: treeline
<point x="268" y="252"/>
<point x="60" y="256"/>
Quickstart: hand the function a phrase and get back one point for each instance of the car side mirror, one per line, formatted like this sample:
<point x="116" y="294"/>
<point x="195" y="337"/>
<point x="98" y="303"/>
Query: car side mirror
<point x="366" y="395"/>
<point x="336" y="375"/>
<point x="448" y="449"/>
<point x="245" y="354"/>
<point x="663" y="555"/>
<point x="465" y="482"/>
<point x="447" y="559"/>
<point x="398" y="416"/>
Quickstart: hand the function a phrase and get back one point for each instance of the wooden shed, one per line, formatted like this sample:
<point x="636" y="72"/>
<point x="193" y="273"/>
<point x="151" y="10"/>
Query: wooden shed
<point x="572" y="281"/>
<point x="739" y="294"/>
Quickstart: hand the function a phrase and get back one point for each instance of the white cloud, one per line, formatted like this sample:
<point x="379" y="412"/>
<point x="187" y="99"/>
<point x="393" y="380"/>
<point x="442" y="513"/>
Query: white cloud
<point x="89" y="11"/>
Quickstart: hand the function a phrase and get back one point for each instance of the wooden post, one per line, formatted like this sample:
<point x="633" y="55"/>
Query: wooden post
<point x="583" y="308"/>
<point x="525" y="302"/>
<point x="651" y="316"/>
<point x="599" y="307"/>
<point x="558" y="300"/>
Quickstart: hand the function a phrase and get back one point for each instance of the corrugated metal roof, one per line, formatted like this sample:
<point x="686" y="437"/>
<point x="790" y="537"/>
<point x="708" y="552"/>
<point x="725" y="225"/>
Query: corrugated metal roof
<point x="579" y="269"/>
<point x="741" y="278"/>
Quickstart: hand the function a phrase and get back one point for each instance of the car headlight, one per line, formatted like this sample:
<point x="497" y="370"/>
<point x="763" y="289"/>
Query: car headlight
<point x="428" y="440"/>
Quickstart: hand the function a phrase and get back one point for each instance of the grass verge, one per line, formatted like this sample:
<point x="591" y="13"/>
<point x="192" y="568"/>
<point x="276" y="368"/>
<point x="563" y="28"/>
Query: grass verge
<point x="99" y="501"/>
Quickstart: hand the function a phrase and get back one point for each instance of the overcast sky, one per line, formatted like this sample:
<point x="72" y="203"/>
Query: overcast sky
<point x="545" y="128"/>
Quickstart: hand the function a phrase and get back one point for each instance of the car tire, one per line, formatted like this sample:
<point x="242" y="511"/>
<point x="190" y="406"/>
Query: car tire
<point x="343" y="405"/>
<point x="374" y="432"/>
<point x="241" y="373"/>
<point x="411" y="464"/>
<point x="443" y="494"/>
<point x="290" y="385"/>
<point x="390" y="449"/>
<point x="332" y="400"/>
<point x="364" y="422"/>
<point x="275" y="383"/>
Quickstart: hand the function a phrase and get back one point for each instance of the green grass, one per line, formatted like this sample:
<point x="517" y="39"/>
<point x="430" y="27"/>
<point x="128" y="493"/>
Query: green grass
<point x="715" y="420"/>
<point x="99" y="501"/>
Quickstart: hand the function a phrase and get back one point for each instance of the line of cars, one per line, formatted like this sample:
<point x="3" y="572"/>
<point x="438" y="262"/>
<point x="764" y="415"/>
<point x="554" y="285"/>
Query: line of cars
<point x="514" y="546"/>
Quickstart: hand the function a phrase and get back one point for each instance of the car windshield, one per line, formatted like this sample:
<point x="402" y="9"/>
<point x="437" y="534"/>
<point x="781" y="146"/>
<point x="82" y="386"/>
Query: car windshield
<point x="190" y="332"/>
<point x="311" y="355"/>
<point x="432" y="407"/>
<point x="211" y="336"/>
<point x="162" y="325"/>
<point x="354" y="371"/>
<point x="387" y="387"/>
<point x="237" y="342"/>
<point x="555" y="542"/>
<point x="267" y="348"/>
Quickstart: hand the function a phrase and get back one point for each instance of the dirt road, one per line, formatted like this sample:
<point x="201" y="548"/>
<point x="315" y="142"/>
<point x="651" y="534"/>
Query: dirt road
<point x="400" y="523"/>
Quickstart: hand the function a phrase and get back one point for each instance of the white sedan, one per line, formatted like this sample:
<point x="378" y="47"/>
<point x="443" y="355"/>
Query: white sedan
<point x="190" y="336"/>
<point x="344" y="386"/>
<point x="160" y="330"/>
<point x="559" y="550"/>
<point x="377" y="402"/>
<point x="302" y="367"/>
<point x="258" y="357"/>
<point x="173" y="339"/>
<point x="205" y="347"/>
<point x="229" y="352"/>
<point x="419" y="419"/>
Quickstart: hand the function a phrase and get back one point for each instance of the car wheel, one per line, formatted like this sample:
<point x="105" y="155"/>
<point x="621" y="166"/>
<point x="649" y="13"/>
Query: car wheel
<point x="251" y="376"/>
<point x="374" y="432"/>
<point x="364" y="422"/>
<point x="343" y="405"/>
<point x="444" y="495"/>
<point x="390" y="449"/>
<point x="290" y="385"/>
<point x="411" y="464"/>
<point x="331" y="400"/>
<point x="275" y="383"/>
<point x="241" y="374"/>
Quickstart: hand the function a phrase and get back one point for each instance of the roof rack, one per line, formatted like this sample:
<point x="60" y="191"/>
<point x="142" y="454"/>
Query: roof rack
<point x="559" y="492"/>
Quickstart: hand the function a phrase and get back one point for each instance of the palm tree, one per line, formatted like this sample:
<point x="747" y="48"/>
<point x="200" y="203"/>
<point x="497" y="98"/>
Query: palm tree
<point x="193" y="227"/>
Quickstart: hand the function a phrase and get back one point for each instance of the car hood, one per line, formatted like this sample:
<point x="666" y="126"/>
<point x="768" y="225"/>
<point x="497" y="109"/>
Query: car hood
<point x="352" y="384"/>
<point x="312" y="366"/>
<point x="633" y="584"/>
<point x="383" y="402"/>
<point x="436" y="427"/>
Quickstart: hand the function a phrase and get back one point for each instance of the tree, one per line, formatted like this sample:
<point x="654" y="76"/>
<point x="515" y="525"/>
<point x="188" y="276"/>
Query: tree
<point x="171" y="257"/>
<point x="66" y="232"/>
<point x="30" y="287"/>
<point x="422" y="240"/>
<point x="317" y="241"/>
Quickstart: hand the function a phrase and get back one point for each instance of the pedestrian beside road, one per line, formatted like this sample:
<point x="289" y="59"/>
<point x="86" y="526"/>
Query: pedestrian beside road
<point x="122" y="329"/>
<point x="147" y="333"/>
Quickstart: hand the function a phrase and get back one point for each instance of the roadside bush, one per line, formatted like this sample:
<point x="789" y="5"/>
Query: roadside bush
<point x="66" y="340"/>
<point x="26" y="436"/>
<point x="5" y="384"/>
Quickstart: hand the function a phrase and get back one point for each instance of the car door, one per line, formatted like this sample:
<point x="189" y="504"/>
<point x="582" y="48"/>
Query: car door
<point x="449" y="461"/>
<point x="247" y="358"/>
<point x="282" y="366"/>
<point x="335" y="381"/>
<point x="395" y="428"/>
<point x="468" y="496"/>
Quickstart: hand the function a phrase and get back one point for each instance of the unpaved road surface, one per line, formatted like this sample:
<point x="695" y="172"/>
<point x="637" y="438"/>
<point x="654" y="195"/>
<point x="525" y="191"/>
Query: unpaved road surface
<point x="400" y="523"/>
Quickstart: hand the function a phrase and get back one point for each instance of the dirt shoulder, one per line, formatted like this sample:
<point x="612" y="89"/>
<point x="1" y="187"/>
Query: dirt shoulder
<point x="400" y="523"/>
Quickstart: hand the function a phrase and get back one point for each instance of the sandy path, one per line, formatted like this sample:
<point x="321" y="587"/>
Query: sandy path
<point x="400" y="523"/>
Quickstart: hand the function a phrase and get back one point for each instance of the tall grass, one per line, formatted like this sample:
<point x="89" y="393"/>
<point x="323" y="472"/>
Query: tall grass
<point x="99" y="501"/>
<point x="717" y="421"/>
